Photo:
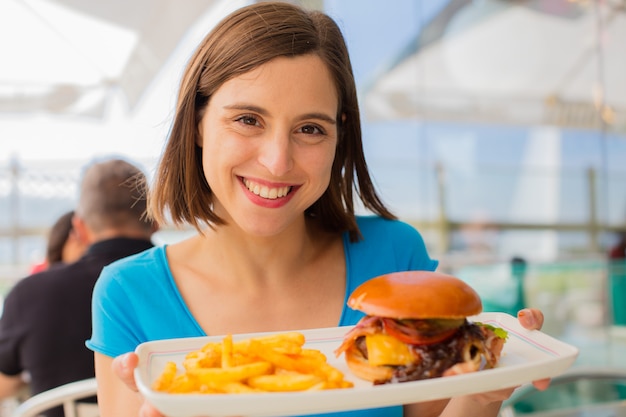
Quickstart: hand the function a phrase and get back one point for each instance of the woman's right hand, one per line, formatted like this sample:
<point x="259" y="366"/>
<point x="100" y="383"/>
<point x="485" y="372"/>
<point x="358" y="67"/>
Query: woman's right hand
<point x="124" y="367"/>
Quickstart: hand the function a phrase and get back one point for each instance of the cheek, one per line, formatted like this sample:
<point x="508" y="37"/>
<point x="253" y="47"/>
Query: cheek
<point x="209" y="162"/>
<point x="222" y="153"/>
<point x="330" y="161"/>
<point x="323" y="165"/>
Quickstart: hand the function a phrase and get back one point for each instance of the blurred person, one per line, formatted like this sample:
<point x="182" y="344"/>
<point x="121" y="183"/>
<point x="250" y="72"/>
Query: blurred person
<point x="265" y="159"/>
<point x="47" y="316"/>
<point x="617" y="281"/>
<point x="519" y="269"/>
<point x="63" y="244"/>
<point x="618" y="251"/>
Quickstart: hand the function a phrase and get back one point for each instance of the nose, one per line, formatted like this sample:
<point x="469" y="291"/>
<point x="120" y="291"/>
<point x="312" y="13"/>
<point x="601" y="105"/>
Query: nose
<point x="276" y="153"/>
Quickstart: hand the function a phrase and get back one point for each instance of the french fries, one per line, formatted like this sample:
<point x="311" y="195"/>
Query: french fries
<point x="275" y="363"/>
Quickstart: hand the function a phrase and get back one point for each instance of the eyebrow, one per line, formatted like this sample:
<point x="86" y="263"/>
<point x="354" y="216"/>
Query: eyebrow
<point x="263" y="112"/>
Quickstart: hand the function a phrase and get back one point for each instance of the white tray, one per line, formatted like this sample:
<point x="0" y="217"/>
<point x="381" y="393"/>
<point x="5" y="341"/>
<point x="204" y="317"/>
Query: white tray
<point x="527" y="356"/>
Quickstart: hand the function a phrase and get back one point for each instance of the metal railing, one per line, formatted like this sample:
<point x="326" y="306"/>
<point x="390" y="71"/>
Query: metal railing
<point x="587" y="202"/>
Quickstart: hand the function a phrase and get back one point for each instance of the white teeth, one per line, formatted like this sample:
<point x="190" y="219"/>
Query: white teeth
<point x="266" y="192"/>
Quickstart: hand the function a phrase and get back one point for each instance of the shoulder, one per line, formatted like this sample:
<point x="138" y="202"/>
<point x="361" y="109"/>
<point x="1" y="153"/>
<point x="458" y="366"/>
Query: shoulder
<point x="375" y="227"/>
<point x="123" y="283"/>
<point x="22" y="289"/>
<point x="38" y="283"/>
<point x="391" y="244"/>
<point x="134" y="267"/>
<point x="35" y="293"/>
<point x="148" y="257"/>
<point x="387" y="246"/>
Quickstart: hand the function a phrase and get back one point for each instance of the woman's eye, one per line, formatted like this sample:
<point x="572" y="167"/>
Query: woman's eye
<point x="312" y="130"/>
<point x="248" y="120"/>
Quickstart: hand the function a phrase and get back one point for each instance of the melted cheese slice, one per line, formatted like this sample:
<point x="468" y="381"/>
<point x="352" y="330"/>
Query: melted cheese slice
<point x="383" y="349"/>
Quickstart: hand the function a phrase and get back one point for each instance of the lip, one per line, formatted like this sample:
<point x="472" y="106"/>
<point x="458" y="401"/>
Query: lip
<point x="266" y="202"/>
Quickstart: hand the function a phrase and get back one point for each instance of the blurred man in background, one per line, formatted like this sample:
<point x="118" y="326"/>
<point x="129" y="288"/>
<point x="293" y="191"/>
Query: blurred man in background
<point x="47" y="316"/>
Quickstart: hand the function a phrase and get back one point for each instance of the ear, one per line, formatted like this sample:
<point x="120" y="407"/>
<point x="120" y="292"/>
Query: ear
<point x="81" y="230"/>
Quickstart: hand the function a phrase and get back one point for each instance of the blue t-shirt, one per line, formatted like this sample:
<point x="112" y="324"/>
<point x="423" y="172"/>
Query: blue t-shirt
<point x="136" y="300"/>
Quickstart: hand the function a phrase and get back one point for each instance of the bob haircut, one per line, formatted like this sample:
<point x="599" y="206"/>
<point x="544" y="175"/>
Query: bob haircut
<point x="241" y="42"/>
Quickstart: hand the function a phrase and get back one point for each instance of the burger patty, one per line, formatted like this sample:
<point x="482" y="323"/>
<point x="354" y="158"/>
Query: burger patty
<point x="465" y="344"/>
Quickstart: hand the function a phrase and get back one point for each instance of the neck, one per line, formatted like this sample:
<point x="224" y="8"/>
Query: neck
<point x="266" y="260"/>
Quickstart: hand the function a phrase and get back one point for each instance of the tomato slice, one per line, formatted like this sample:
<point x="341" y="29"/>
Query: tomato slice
<point x="412" y="336"/>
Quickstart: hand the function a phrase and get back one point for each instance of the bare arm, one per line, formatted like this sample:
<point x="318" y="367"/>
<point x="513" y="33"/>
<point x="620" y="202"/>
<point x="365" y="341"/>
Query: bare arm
<point x="426" y="409"/>
<point x="10" y="385"/>
<point x="116" y="398"/>
<point x="468" y="406"/>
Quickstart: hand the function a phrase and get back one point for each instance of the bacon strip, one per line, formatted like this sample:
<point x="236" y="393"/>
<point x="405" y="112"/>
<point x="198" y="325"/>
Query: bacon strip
<point x="367" y="325"/>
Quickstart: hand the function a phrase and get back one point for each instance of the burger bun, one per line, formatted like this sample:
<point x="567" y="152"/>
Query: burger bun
<point x="416" y="295"/>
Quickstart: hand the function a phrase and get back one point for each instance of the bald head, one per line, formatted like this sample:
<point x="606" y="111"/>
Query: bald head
<point x="113" y="198"/>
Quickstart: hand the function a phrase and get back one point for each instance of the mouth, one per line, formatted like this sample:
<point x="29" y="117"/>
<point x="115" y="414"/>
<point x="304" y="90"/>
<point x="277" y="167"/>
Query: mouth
<point x="264" y="191"/>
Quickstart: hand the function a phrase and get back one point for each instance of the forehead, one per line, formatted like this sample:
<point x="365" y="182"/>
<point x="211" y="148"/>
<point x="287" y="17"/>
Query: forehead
<point x="301" y="80"/>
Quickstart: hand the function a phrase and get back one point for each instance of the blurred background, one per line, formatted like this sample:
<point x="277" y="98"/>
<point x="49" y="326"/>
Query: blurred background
<point x="496" y="127"/>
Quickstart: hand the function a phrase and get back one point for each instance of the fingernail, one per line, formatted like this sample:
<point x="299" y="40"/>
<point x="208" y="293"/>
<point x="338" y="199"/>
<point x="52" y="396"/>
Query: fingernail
<point x="528" y="317"/>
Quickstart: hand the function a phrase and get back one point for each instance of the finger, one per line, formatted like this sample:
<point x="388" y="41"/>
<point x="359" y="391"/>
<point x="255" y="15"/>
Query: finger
<point x="123" y="366"/>
<point x="542" y="384"/>
<point x="148" y="411"/>
<point x="493" y="396"/>
<point x="530" y="318"/>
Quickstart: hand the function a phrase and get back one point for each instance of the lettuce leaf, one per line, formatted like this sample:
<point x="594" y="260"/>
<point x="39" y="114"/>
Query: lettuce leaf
<point x="499" y="331"/>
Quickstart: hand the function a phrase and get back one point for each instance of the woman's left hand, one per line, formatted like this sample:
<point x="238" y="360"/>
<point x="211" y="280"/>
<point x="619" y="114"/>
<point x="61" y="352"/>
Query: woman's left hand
<point x="484" y="403"/>
<point x="529" y="318"/>
<point x="532" y="319"/>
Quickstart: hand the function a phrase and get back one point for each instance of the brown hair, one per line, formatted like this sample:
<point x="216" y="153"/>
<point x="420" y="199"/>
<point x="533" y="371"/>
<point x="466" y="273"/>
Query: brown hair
<point x="243" y="41"/>
<point x="59" y="232"/>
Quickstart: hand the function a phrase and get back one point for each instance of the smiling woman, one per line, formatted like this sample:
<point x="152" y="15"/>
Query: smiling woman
<point x="265" y="160"/>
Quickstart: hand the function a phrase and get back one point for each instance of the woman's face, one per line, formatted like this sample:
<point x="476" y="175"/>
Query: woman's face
<point x="269" y="138"/>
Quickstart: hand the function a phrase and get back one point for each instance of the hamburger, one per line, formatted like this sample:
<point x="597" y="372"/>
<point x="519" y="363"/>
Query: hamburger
<point x="416" y="328"/>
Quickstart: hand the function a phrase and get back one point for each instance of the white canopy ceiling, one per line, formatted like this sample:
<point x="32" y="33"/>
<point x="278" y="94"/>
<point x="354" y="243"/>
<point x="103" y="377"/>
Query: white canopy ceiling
<point x="524" y="62"/>
<point x="68" y="56"/>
